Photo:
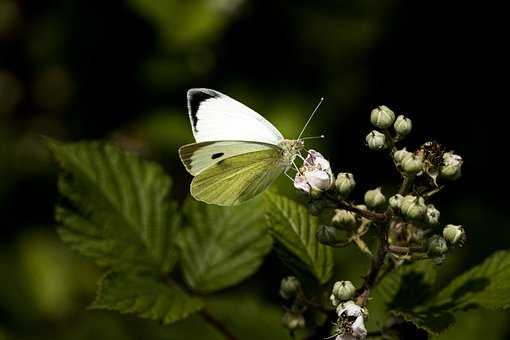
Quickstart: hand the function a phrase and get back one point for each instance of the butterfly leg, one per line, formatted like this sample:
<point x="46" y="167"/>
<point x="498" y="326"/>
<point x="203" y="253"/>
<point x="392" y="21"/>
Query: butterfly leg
<point x="302" y="158"/>
<point x="296" y="168"/>
<point x="286" y="174"/>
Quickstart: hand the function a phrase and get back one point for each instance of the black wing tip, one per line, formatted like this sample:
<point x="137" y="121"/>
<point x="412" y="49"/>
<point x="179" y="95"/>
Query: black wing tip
<point x="195" y="97"/>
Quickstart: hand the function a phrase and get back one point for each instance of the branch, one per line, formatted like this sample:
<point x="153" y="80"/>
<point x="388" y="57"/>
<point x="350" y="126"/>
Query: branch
<point x="375" y="266"/>
<point x="371" y="215"/>
<point x="220" y="326"/>
<point x="406" y="185"/>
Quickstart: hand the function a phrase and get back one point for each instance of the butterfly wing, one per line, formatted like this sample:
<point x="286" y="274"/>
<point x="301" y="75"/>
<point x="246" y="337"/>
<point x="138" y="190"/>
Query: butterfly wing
<point x="236" y="179"/>
<point x="199" y="156"/>
<point x="215" y="116"/>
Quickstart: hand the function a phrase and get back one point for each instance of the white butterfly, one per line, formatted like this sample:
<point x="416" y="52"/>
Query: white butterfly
<point x="237" y="153"/>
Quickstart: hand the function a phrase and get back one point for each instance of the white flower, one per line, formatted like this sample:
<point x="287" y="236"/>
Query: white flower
<point x="315" y="174"/>
<point x="351" y="329"/>
<point x="452" y="164"/>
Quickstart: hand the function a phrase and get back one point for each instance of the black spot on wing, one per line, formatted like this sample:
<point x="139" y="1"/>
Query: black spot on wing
<point x="217" y="155"/>
<point x="195" y="98"/>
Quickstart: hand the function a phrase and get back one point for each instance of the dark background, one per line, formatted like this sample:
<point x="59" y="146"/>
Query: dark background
<point x="81" y="70"/>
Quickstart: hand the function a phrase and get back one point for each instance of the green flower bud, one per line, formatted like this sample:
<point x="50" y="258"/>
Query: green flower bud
<point x="400" y="155"/>
<point x="395" y="201"/>
<point x="403" y="125"/>
<point x="382" y="117"/>
<point x="376" y="140"/>
<point x="375" y="199"/>
<point x="334" y="300"/>
<point x="432" y="215"/>
<point x="344" y="183"/>
<point x="343" y="290"/>
<point x="451" y="168"/>
<point x="454" y="234"/>
<point x="316" y="207"/>
<point x="412" y="165"/>
<point x="328" y="235"/>
<point x="289" y="287"/>
<point x="436" y="246"/>
<point x="343" y="219"/>
<point x="293" y="321"/>
<point x="413" y="207"/>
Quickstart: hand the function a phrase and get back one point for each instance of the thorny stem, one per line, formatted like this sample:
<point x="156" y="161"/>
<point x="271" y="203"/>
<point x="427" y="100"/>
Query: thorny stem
<point x="375" y="267"/>
<point x="217" y="324"/>
<point x="406" y="185"/>
<point x="405" y="250"/>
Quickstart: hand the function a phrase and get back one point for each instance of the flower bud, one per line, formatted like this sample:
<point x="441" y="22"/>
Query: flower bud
<point x="328" y="235"/>
<point x="454" y="234"/>
<point x="451" y="168"/>
<point x="343" y="290"/>
<point x="334" y="300"/>
<point x="293" y="321"/>
<point x="344" y="183"/>
<point x="343" y="219"/>
<point x="289" y="287"/>
<point x="375" y="199"/>
<point x="411" y="165"/>
<point x="403" y="125"/>
<point x="382" y="117"/>
<point x="395" y="201"/>
<point x="400" y="155"/>
<point x="436" y="246"/>
<point x="413" y="207"/>
<point x="432" y="215"/>
<point x="316" y="207"/>
<point x="376" y="140"/>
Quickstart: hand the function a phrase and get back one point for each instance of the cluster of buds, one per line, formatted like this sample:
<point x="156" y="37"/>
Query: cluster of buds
<point x="383" y="118"/>
<point x="290" y="289"/>
<point x="408" y="220"/>
<point x="350" y="323"/>
<point x="429" y="160"/>
<point x="414" y="208"/>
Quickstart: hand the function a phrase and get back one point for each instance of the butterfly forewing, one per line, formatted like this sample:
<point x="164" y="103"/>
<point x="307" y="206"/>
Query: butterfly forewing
<point x="215" y="116"/>
<point x="239" y="178"/>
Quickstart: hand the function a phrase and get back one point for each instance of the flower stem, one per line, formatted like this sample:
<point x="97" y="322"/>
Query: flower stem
<point x="371" y="215"/>
<point x="217" y="324"/>
<point x="375" y="267"/>
<point x="406" y="185"/>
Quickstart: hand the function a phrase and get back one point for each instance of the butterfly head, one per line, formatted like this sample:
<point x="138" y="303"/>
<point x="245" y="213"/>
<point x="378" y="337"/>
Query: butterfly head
<point x="291" y="148"/>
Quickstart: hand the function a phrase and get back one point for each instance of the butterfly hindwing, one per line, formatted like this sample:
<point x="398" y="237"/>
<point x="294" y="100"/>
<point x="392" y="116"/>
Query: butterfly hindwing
<point x="215" y="116"/>
<point x="199" y="156"/>
<point x="236" y="179"/>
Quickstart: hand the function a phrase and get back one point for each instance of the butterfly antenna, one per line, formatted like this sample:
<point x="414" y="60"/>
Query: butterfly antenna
<point x="310" y="118"/>
<point x="313" y="137"/>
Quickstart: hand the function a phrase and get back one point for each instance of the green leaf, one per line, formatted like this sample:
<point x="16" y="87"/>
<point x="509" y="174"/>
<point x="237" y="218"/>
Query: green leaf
<point x="295" y="229"/>
<point x="486" y="285"/>
<point x="120" y="214"/>
<point x="146" y="296"/>
<point x="408" y="285"/>
<point x="406" y="288"/>
<point x="221" y="246"/>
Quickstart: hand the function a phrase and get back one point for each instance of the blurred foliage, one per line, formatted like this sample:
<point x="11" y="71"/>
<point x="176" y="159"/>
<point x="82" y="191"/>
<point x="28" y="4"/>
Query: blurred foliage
<point x="119" y="70"/>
